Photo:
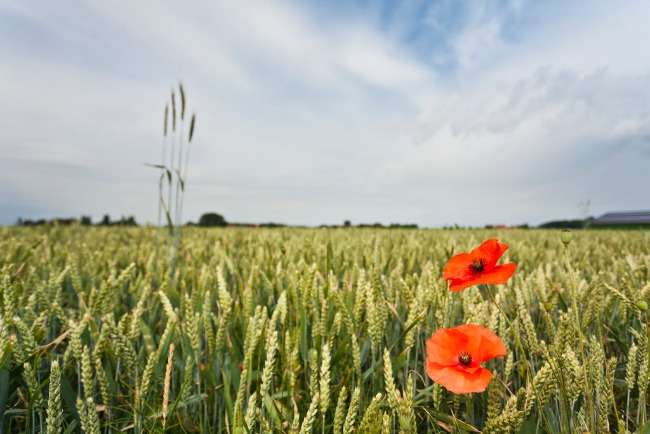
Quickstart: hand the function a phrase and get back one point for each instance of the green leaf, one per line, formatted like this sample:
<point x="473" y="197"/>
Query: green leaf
<point x="164" y="347"/>
<point x="329" y="257"/>
<point x="147" y="336"/>
<point x="180" y="180"/>
<point x="69" y="397"/>
<point x="226" y="391"/>
<point x="5" y="370"/>
<point x="170" y="225"/>
<point x="530" y="427"/>
<point x="156" y="166"/>
<point x="269" y="404"/>
<point x="407" y="329"/>
<point x="179" y="403"/>
<point x="442" y="417"/>
<point x="71" y="427"/>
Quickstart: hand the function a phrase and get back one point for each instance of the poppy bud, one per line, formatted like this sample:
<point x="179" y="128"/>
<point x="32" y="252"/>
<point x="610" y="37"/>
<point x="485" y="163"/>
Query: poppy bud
<point x="642" y="305"/>
<point x="566" y="237"/>
<point x="548" y="306"/>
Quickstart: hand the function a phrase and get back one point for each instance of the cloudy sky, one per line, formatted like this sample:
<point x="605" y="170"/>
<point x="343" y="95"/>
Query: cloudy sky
<point x="308" y="112"/>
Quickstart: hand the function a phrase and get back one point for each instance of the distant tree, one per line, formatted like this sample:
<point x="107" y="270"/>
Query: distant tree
<point x="347" y="223"/>
<point x="212" y="219"/>
<point x="63" y="221"/>
<point x="106" y="220"/>
<point x="86" y="220"/>
<point x="126" y="221"/>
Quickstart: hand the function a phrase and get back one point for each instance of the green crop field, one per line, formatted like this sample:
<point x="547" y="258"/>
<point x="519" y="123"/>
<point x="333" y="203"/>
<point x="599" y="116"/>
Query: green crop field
<point x="315" y="330"/>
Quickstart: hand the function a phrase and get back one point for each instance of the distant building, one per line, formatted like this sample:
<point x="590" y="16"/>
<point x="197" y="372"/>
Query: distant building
<point x="630" y="218"/>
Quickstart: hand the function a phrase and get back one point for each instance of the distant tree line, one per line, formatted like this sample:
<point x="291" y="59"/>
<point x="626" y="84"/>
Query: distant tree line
<point x="83" y="221"/>
<point x="213" y="219"/>
<point x="348" y="224"/>
<point x="207" y="220"/>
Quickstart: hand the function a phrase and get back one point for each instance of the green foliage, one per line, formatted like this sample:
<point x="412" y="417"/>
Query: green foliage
<point x="212" y="219"/>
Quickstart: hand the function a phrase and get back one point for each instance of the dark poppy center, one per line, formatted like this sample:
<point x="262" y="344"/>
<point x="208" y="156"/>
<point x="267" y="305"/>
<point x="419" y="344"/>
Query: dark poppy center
<point x="477" y="266"/>
<point x="465" y="359"/>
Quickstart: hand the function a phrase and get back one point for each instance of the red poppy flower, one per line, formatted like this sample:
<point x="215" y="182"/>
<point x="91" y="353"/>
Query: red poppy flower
<point x="478" y="266"/>
<point x="454" y="357"/>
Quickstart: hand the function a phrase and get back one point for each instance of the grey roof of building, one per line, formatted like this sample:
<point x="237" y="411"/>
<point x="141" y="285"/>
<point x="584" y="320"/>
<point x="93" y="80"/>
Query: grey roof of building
<point x="623" y="218"/>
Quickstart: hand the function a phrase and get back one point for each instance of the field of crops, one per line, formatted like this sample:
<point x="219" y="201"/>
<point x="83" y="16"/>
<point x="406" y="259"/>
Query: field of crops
<point x="315" y="330"/>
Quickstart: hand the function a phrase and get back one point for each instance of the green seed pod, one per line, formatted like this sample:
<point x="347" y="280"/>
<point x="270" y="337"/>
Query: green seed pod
<point x="566" y="237"/>
<point x="642" y="305"/>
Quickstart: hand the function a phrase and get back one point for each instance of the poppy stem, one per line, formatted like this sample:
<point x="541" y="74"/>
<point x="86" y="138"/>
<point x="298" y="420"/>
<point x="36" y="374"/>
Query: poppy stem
<point x="529" y="372"/>
<point x="641" y="412"/>
<point x="593" y="418"/>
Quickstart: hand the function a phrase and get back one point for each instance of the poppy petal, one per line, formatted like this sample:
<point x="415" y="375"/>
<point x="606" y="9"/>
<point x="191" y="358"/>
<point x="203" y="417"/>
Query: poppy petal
<point x="460" y="284"/>
<point x="457" y="267"/>
<point x="491" y="251"/>
<point x="500" y="274"/>
<point x="461" y="382"/>
<point x="445" y="345"/>
<point x="482" y="343"/>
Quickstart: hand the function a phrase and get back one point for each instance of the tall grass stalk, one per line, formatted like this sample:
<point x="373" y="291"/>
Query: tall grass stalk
<point x="527" y="366"/>
<point x="576" y="311"/>
<point x="163" y="173"/>
<point x="170" y="190"/>
<point x="173" y="176"/>
<point x="179" y="183"/>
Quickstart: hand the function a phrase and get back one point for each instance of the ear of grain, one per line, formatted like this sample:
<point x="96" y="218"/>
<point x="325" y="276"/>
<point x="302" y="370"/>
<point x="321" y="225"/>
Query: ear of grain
<point x="192" y="127"/>
<point x="54" y="408"/>
<point x="173" y="112"/>
<point x="339" y="413"/>
<point x="350" y="419"/>
<point x="166" y="116"/>
<point x="308" y="421"/>
<point x="167" y="384"/>
<point x="182" y="92"/>
<point x="325" y="379"/>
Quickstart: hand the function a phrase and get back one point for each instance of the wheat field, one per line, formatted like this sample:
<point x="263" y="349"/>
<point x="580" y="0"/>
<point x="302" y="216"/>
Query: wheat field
<point x="315" y="331"/>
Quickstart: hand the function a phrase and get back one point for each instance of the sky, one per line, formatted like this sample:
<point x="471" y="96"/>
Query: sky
<point x="312" y="112"/>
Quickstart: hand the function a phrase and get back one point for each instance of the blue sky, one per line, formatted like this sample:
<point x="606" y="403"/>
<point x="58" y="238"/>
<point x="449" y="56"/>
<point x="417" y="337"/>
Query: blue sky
<point x="435" y="113"/>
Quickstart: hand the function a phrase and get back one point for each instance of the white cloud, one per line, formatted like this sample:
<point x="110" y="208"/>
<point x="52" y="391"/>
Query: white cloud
<point x="305" y="117"/>
<point x="553" y="132"/>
